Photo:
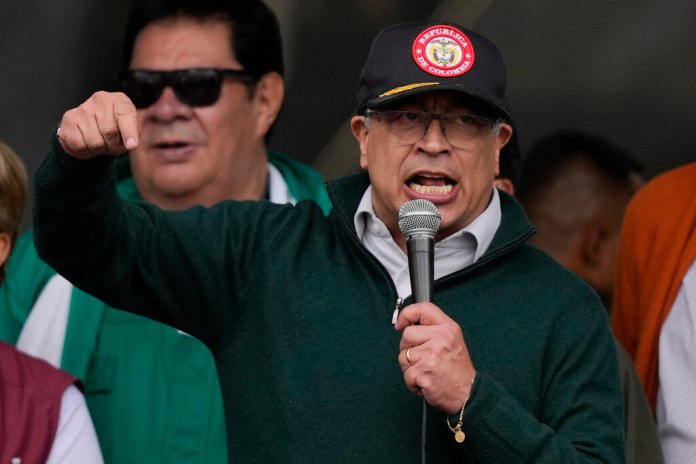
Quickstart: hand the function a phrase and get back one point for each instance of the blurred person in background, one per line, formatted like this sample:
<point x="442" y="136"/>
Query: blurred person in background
<point x="575" y="187"/>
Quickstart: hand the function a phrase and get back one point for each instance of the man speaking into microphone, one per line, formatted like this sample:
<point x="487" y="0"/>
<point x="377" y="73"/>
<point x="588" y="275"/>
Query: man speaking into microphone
<point x="511" y="362"/>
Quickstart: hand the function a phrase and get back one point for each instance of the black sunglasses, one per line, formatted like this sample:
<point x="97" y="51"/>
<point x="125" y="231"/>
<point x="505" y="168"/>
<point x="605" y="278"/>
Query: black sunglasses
<point x="192" y="86"/>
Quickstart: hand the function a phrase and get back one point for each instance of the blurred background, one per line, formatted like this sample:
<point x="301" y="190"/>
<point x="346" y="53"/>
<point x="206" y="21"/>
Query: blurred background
<point x="623" y="69"/>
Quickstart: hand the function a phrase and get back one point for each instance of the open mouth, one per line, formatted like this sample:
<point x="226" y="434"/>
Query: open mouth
<point x="174" y="150"/>
<point x="171" y="145"/>
<point x="427" y="184"/>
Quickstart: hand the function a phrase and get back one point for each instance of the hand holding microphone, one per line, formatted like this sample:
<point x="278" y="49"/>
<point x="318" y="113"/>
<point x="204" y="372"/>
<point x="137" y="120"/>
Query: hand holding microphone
<point x="432" y="353"/>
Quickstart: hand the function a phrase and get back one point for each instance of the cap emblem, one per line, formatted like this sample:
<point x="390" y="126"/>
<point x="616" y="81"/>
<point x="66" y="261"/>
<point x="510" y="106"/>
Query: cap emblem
<point x="443" y="51"/>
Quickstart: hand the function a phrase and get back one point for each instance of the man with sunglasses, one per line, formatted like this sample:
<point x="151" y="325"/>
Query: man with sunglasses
<point x="512" y="362"/>
<point x="207" y="98"/>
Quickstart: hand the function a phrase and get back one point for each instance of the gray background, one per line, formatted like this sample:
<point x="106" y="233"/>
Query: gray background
<point x="623" y="69"/>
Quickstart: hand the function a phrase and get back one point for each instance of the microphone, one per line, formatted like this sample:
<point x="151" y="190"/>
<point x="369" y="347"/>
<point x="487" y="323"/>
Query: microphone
<point x="419" y="220"/>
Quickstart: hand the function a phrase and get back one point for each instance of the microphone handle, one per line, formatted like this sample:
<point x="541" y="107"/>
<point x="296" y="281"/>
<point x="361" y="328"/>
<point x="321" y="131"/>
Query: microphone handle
<point x="420" y="267"/>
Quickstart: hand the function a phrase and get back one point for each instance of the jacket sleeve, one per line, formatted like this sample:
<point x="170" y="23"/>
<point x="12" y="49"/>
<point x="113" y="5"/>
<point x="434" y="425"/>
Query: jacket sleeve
<point x="190" y="269"/>
<point x="579" y="419"/>
<point x="174" y="267"/>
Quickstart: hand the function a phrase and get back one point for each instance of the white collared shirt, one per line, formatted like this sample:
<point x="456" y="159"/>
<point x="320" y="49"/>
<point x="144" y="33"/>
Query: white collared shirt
<point x="278" y="190"/>
<point x="452" y="254"/>
<point x="676" y="405"/>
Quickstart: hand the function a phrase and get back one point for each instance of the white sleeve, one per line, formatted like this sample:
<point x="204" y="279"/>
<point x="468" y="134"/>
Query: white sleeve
<point x="76" y="441"/>
<point x="676" y="403"/>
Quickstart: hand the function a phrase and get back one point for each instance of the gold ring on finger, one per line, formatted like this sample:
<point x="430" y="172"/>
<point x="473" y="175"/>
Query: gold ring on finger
<point x="408" y="356"/>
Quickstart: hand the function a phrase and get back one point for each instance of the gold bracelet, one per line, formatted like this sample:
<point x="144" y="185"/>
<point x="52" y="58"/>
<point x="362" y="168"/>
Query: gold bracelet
<point x="459" y="435"/>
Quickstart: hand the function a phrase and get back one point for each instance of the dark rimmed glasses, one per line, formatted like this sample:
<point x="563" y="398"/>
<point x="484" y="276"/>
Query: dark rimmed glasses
<point x="194" y="87"/>
<point x="409" y="126"/>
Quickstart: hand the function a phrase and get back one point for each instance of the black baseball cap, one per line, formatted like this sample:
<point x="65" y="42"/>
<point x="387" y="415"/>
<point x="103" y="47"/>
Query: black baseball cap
<point x="407" y="59"/>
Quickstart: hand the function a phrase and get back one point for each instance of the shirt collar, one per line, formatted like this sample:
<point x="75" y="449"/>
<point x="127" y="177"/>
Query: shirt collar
<point x="278" y="190"/>
<point x="482" y="229"/>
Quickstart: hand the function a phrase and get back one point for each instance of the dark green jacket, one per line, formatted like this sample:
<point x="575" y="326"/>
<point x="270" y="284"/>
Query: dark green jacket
<point x="153" y="392"/>
<point x="298" y="317"/>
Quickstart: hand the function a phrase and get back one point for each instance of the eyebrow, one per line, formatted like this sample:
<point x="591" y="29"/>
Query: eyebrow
<point x="459" y="103"/>
<point x="457" y="108"/>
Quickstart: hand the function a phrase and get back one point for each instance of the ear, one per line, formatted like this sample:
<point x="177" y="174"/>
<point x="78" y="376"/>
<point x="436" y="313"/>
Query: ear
<point x="268" y="96"/>
<point x="5" y="245"/>
<point x="360" y="130"/>
<point x="501" y="139"/>
<point x="503" y="136"/>
<point x="599" y="247"/>
<point x="505" y="185"/>
<point x="592" y="245"/>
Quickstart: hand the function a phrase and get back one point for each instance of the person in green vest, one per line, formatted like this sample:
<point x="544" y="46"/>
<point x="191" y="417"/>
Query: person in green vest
<point x="207" y="98"/>
<point x="324" y="353"/>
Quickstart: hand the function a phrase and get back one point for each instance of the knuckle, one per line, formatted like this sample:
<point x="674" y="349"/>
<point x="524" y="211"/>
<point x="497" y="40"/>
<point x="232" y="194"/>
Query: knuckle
<point x="451" y="336"/>
<point x="124" y="109"/>
<point x="111" y="133"/>
<point x="98" y="99"/>
<point x="68" y="117"/>
<point x="440" y="344"/>
<point x="429" y="363"/>
<point x="100" y="94"/>
<point x="425" y="383"/>
<point x="95" y="147"/>
<point x="80" y="151"/>
<point x="94" y="143"/>
<point x="123" y="106"/>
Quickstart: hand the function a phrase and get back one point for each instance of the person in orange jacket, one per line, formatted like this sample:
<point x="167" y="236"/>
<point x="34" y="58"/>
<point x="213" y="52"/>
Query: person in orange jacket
<point x="655" y="302"/>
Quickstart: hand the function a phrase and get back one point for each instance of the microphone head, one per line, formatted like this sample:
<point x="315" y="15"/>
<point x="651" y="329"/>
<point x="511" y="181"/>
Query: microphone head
<point x="419" y="217"/>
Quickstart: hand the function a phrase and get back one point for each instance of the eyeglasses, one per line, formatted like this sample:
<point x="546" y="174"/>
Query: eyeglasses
<point x="410" y="126"/>
<point x="192" y="86"/>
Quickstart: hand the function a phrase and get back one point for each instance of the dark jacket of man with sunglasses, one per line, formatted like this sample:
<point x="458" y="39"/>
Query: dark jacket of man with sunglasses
<point x="318" y="359"/>
<point x="205" y="110"/>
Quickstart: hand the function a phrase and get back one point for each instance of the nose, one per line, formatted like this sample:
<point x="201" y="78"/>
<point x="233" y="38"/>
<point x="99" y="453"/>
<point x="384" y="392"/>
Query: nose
<point x="434" y="140"/>
<point x="168" y="107"/>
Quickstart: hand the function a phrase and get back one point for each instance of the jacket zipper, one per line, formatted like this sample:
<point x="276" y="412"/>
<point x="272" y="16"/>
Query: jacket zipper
<point x="397" y="308"/>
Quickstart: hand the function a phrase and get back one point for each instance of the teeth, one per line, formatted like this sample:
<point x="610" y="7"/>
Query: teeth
<point x="431" y="189"/>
